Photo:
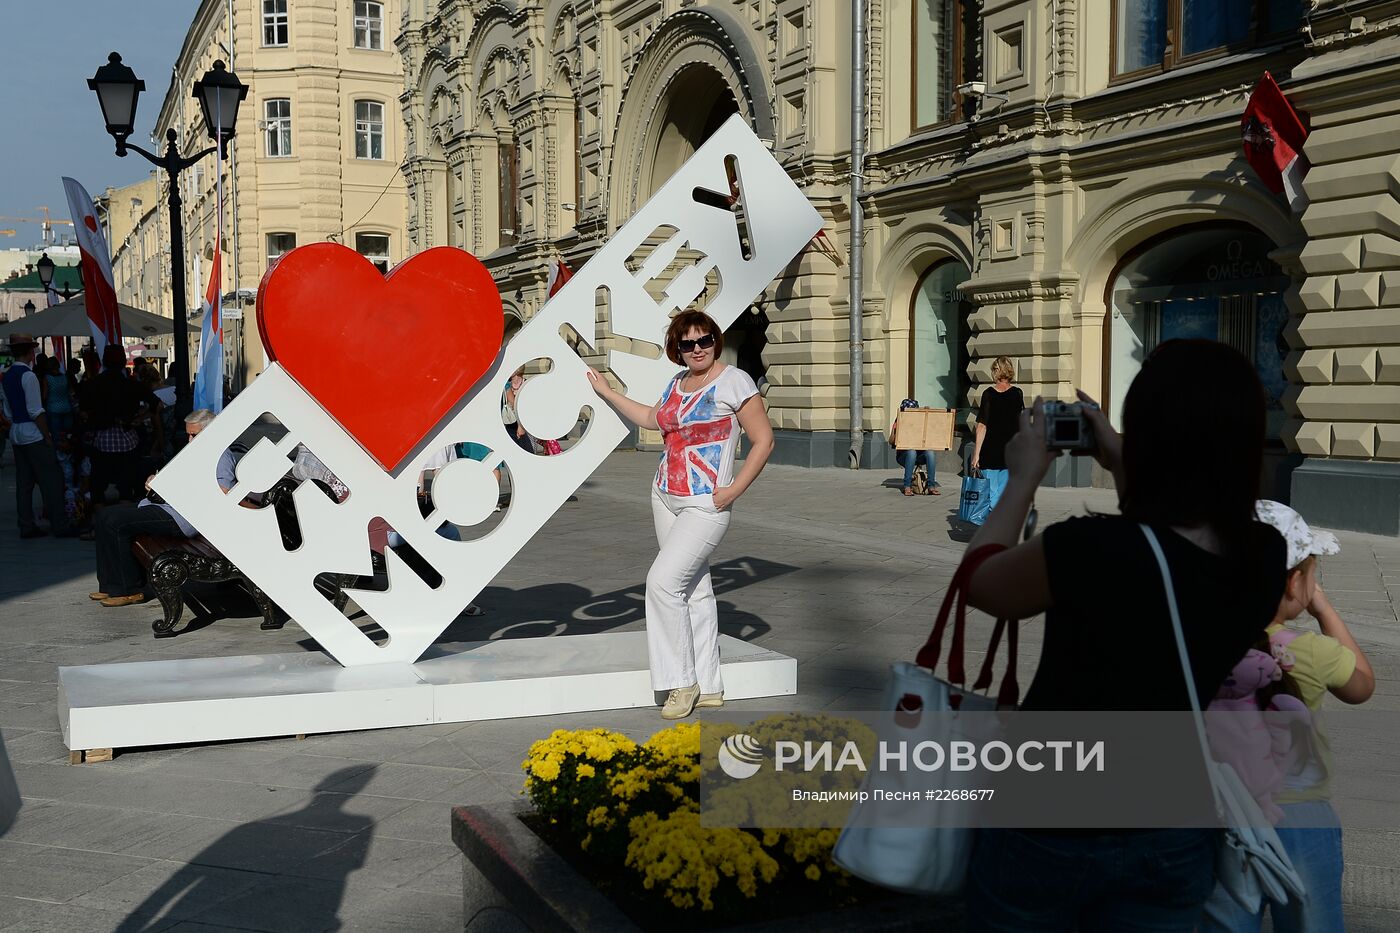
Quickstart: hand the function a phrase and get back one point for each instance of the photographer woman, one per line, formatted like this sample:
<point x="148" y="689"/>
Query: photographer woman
<point x="1097" y="582"/>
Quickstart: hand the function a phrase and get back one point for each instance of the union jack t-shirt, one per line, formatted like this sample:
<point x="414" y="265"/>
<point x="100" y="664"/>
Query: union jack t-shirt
<point x="701" y="431"/>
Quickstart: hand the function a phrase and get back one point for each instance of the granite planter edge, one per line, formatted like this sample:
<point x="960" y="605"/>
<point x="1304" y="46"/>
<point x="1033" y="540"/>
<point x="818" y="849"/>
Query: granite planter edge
<point x="513" y="880"/>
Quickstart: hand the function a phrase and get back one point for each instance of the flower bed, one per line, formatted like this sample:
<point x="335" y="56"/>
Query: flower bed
<point x="626" y="817"/>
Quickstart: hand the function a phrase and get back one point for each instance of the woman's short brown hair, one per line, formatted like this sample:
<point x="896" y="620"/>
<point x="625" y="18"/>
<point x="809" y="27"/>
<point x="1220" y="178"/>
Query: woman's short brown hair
<point x="1003" y="368"/>
<point x="685" y="321"/>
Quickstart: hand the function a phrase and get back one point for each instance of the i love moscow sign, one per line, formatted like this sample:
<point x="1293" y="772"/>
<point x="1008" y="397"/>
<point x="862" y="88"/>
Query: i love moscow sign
<point x="328" y="319"/>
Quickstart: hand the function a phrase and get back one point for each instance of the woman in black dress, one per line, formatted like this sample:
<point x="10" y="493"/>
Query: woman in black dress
<point x="997" y="420"/>
<point x="1098" y="584"/>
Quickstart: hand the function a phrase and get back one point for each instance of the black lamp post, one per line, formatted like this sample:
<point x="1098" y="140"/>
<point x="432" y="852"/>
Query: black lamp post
<point x="28" y="308"/>
<point x="219" y="93"/>
<point x="45" y="267"/>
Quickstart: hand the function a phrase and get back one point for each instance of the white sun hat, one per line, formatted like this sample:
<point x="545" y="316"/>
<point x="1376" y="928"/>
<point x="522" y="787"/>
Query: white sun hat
<point x="1303" y="542"/>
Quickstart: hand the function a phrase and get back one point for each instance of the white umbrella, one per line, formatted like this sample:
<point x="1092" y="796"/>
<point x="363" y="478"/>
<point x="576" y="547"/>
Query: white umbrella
<point x="69" y="319"/>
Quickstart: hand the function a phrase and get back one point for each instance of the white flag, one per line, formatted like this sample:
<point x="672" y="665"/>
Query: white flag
<point x="99" y="292"/>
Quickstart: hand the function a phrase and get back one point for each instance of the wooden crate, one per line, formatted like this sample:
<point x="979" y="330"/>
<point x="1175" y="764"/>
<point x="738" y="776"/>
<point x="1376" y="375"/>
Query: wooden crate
<point x="924" y="429"/>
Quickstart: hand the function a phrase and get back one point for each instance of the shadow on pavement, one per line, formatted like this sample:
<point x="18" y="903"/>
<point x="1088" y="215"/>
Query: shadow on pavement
<point x="282" y="843"/>
<point x="569" y="609"/>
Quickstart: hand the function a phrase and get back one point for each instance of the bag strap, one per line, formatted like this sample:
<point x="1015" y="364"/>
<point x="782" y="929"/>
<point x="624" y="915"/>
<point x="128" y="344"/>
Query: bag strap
<point x="932" y="649"/>
<point x="1009" y="694"/>
<point x="955" y="605"/>
<point x="1181" y="652"/>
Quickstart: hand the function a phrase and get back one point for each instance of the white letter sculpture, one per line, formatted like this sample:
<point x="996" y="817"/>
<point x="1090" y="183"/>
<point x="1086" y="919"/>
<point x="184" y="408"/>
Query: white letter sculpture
<point x="779" y="222"/>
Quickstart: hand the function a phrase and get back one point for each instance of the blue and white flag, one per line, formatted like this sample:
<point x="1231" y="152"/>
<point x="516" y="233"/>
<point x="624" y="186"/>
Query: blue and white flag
<point x="209" y="377"/>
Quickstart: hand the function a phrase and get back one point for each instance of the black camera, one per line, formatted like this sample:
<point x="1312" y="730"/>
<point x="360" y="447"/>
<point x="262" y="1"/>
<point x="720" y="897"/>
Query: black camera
<point x="1067" y="427"/>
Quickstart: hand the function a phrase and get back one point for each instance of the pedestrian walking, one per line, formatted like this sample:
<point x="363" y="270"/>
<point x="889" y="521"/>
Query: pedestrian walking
<point x="997" y="421"/>
<point x="1097" y="581"/>
<point x="1327" y="661"/>
<point x="699" y="415"/>
<point x="32" y="440"/>
<point x="910" y="459"/>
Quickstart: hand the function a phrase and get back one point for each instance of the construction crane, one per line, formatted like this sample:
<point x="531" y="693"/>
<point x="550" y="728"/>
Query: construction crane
<point x="46" y="223"/>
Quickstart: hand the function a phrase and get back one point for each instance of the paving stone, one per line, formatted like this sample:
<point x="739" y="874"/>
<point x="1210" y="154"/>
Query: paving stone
<point x="832" y="567"/>
<point x="24" y="915"/>
<point x="168" y="891"/>
<point x="58" y="875"/>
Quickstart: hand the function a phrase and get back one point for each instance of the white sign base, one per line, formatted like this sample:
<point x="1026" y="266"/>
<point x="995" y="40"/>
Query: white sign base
<point x="143" y="703"/>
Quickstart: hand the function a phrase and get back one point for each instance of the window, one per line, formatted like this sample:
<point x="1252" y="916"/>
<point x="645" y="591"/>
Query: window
<point x="941" y="62"/>
<point x="375" y="248"/>
<point x="579" y="191"/>
<point x="274" y="22"/>
<point x="279" y="243"/>
<point x="369" y="25"/>
<point x="277" y="118"/>
<point x="1145" y="32"/>
<point x="509" y="177"/>
<point x="1212" y="282"/>
<point x="369" y="129"/>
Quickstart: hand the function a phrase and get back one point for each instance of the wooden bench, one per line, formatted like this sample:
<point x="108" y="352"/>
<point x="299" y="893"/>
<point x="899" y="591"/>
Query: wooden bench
<point x="173" y="561"/>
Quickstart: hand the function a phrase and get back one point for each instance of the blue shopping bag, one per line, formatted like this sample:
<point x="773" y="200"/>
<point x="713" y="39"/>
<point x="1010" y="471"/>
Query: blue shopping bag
<point x="976" y="498"/>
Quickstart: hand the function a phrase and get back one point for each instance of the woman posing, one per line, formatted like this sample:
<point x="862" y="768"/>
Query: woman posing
<point x="698" y="415"/>
<point x="1097" y="582"/>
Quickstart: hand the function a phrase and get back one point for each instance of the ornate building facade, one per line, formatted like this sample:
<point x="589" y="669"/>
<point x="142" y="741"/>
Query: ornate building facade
<point x="1063" y="184"/>
<point x="316" y="156"/>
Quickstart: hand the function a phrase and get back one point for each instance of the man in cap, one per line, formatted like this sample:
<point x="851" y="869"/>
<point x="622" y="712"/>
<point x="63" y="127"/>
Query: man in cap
<point x="909" y="459"/>
<point x="35" y="463"/>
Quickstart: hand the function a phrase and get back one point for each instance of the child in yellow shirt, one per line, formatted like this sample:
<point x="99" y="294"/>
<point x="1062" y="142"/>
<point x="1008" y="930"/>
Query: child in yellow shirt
<point x="1321" y="662"/>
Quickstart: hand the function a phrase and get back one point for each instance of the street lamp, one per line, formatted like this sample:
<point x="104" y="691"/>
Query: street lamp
<point x="45" y="267"/>
<point x="28" y="308"/>
<point x="219" y="93"/>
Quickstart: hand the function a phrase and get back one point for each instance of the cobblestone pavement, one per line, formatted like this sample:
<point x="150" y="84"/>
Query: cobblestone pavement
<point x="350" y="831"/>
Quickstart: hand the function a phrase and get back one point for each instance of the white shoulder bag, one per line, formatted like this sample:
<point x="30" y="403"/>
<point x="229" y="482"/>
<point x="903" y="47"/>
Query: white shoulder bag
<point x="928" y="860"/>
<point x="1251" y="862"/>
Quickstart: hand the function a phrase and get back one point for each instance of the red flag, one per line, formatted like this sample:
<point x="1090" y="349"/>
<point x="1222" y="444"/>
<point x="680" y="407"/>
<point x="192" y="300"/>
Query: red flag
<point x="559" y="273"/>
<point x="1273" y="140"/>
<point x="213" y="299"/>
<point x="99" y="293"/>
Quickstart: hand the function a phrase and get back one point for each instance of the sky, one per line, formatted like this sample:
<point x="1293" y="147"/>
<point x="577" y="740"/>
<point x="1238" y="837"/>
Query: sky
<point x="52" y="124"/>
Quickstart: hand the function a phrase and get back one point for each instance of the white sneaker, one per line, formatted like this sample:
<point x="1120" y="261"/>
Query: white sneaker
<point x="680" y="702"/>
<point x="710" y="701"/>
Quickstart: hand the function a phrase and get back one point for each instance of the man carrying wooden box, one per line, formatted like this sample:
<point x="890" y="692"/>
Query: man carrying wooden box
<point x="915" y="434"/>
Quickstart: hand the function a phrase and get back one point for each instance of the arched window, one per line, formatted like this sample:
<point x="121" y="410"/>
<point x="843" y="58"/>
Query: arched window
<point x="1214" y="282"/>
<point x="938" y="337"/>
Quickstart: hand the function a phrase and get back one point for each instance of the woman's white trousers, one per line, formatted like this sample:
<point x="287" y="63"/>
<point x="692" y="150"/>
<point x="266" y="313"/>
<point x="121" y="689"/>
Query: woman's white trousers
<point x="682" y="616"/>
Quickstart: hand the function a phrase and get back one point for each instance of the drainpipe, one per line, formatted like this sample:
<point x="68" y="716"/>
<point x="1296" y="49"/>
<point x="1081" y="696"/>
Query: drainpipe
<point x="857" y="374"/>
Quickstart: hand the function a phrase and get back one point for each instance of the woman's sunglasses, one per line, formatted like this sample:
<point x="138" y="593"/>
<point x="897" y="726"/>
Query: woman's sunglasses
<point x="704" y="343"/>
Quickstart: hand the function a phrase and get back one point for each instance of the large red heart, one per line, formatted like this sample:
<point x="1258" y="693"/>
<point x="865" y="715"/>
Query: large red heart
<point x="386" y="356"/>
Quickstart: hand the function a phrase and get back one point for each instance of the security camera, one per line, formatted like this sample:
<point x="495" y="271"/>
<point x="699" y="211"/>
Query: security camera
<point x="973" y="89"/>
